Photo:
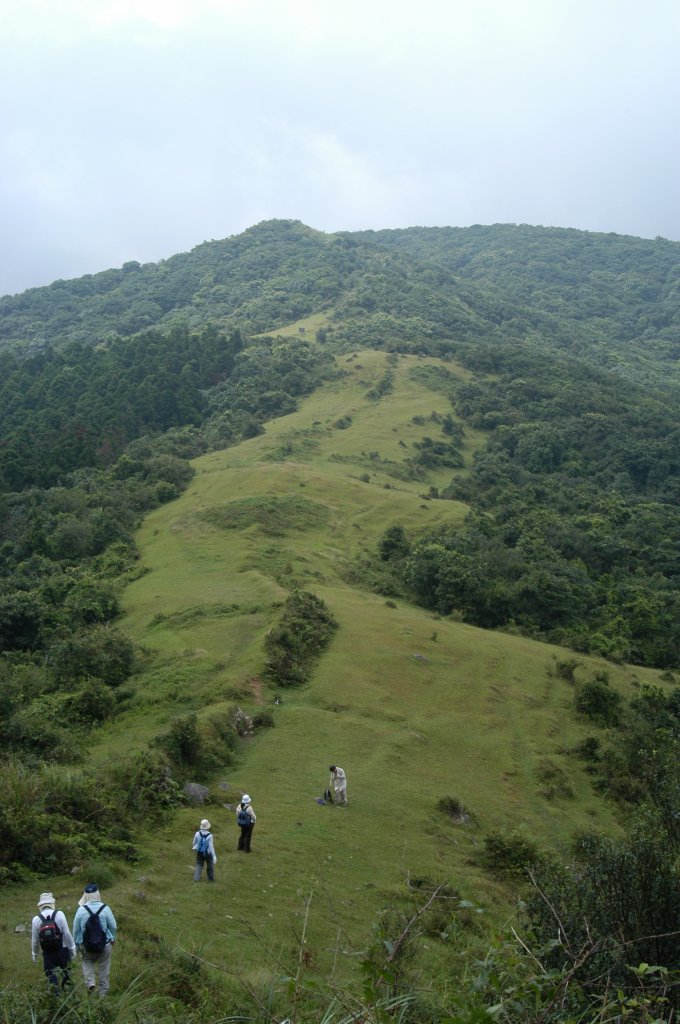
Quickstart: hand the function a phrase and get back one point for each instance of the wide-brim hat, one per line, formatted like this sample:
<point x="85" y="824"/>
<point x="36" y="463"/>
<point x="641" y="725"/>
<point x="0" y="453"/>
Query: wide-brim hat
<point x="245" y="799"/>
<point x="205" y="824"/>
<point x="46" y="900"/>
<point x="90" y="895"/>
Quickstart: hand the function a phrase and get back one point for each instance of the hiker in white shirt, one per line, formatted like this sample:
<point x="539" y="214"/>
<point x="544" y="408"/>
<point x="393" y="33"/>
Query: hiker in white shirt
<point x="55" y="942"/>
<point x="338" y="785"/>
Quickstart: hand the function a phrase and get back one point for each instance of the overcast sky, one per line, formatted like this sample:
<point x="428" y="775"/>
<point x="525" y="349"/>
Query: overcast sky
<point x="136" y="129"/>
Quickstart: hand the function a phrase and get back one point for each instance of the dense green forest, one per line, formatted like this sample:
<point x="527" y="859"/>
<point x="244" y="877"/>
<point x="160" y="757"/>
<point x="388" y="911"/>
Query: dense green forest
<point x="613" y="300"/>
<point x="570" y="342"/>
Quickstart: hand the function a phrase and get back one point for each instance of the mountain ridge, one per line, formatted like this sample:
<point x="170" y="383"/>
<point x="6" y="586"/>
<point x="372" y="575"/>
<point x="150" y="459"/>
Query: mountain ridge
<point x="608" y="298"/>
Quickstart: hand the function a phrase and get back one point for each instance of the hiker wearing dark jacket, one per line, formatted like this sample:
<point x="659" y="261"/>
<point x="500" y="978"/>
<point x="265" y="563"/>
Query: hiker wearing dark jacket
<point x="54" y="941"/>
<point x="96" y="963"/>
<point x="205" y="852"/>
<point x="245" y="819"/>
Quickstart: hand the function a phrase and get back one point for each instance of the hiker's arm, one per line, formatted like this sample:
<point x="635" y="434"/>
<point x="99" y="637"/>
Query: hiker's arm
<point x="35" y="940"/>
<point x="111" y="925"/>
<point x="78" y="927"/>
<point x="66" y="933"/>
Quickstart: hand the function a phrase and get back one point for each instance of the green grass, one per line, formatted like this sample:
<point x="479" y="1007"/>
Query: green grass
<point x="415" y="708"/>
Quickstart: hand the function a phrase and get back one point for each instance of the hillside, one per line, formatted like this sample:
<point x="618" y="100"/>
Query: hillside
<point x="403" y="501"/>
<point x="415" y="707"/>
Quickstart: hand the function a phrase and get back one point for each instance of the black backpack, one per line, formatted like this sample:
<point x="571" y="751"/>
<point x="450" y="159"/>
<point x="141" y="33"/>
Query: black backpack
<point x="242" y="816"/>
<point x="94" y="936"/>
<point x="49" y="934"/>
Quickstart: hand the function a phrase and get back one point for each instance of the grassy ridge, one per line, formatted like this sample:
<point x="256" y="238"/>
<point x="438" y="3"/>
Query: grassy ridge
<point x="413" y="707"/>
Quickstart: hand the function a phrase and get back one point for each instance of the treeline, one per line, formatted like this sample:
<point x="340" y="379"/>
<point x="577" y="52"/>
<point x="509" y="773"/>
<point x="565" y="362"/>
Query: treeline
<point x="81" y="405"/>
<point x="574" y="535"/>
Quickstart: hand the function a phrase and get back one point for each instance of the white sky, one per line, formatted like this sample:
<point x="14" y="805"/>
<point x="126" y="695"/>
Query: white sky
<point x="136" y="129"/>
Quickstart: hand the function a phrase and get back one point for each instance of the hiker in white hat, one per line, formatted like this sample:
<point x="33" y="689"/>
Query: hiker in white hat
<point x="50" y="935"/>
<point x="245" y="819"/>
<point x="205" y="851"/>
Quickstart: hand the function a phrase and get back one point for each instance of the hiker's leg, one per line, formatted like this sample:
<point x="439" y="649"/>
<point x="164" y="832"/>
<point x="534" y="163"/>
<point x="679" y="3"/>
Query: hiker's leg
<point x="343" y="795"/>
<point x="64" y="959"/>
<point x="210" y="865"/>
<point x="50" y="964"/>
<point x="198" y="870"/>
<point x="248" y="835"/>
<point x="104" y="969"/>
<point x="89" y="972"/>
<point x="242" y="837"/>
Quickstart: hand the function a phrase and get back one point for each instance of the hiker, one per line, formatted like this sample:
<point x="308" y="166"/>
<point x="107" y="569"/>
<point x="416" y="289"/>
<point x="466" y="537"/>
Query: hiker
<point x="245" y="819"/>
<point x="338" y="784"/>
<point x="205" y="851"/>
<point x="50" y="934"/>
<point x="94" y="933"/>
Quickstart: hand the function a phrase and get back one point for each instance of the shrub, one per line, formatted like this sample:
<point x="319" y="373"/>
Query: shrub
<point x="305" y="628"/>
<point x="589" y="749"/>
<point x="99" y="652"/>
<point x="620" y="899"/>
<point x="599" y="703"/>
<point x="263" y="720"/>
<point x="203" y="747"/>
<point x="393" y="544"/>
<point x="509" y="854"/>
<point x="565" y="669"/>
<point x="455" y="809"/>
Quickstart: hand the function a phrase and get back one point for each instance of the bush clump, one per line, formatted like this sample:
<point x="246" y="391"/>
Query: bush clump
<point x="601" y="704"/>
<point x="455" y="809"/>
<point x="510" y="853"/>
<point x="203" y="746"/>
<point x="304" y="630"/>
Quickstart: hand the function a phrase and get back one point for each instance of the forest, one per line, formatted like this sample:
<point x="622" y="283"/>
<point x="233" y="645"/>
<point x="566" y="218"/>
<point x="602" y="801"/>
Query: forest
<point x="569" y="344"/>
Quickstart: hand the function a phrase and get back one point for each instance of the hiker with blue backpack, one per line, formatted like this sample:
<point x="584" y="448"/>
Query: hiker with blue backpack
<point x="94" y="933"/>
<point x="245" y="819"/>
<point x="205" y="851"/>
<point x="50" y="935"/>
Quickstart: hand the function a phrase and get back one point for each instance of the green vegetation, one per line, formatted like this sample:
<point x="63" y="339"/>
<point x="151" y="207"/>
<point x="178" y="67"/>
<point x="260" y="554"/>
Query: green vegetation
<point x="214" y="471"/>
<point x="299" y="637"/>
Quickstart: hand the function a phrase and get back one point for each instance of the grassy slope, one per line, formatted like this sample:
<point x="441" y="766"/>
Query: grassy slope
<point x="414" y="708"/>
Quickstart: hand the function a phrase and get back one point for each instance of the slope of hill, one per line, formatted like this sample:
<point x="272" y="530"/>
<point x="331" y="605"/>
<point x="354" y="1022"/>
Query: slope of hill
<point x="483" y="422"/>
<point x="415" y="707"/>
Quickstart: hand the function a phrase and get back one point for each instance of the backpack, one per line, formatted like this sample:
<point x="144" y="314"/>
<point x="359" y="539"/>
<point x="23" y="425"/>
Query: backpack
<point x="203" y="843"/>
<point x="94" y="936"/>
<point x="49" y="933"/>
<point x="242" y="816"/>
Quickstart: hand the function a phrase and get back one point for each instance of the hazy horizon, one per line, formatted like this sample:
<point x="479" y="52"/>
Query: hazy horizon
<point x="137" y="129"/>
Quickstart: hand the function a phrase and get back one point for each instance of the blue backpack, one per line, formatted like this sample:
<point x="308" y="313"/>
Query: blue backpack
<point x="242" y="816"/>
<point x="203" y="843"/>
